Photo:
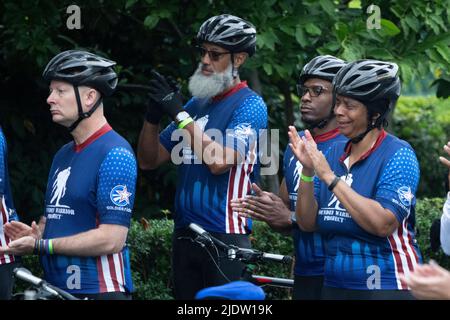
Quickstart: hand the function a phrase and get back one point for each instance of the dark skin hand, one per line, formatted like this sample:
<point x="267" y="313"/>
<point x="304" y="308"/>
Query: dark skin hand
<point x="264" y="206"/>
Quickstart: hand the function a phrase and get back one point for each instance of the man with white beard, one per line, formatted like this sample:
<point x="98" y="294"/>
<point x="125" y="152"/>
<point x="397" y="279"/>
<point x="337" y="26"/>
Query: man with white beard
<point x="219" y="161"/>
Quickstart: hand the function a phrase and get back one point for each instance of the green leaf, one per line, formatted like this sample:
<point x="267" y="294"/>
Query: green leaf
<point x="380" y="53"/>
<point x="331" y="46"/>
<point x="281" y="70"/>
<point x="300" y="36"/>
<point x="433" y="25"/>
<point x="436" y="56"/>
<point x="341" y="31"/>
<point x="412" y="22"/>
<point x="164" y="13"/>
<point x="438" y="19"/>
<point x="151" y="21"/>
<point x="328" y="7"/>
<point x="312" y="29"/>
<point x="405" y="28"/>
<point x="389" y="27"/>
<point x="130" y="3"/>
<point x="352" y="52"/>
<point x="287" y="29"/>
<point x="444" y="51"/>
<point x="267" y="68"/>
<point x="355" y="4"/>
<point x="268" y="39"/>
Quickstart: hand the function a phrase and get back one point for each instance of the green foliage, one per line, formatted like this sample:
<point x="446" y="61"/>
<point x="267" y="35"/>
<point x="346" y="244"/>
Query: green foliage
<point x="264" y="239"/>
<point x="427" y="210"/>
<point x="425" y="124"/>
<point x="32" y="264"/>
<point x="150" y="259"/>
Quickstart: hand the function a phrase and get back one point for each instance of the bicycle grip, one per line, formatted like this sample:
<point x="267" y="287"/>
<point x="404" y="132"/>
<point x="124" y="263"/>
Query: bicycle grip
<point x="25" y="274"/>
<point x="277" y="257"/>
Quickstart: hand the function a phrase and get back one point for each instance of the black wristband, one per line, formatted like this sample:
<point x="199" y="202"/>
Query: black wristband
<point x="334" y="183"/>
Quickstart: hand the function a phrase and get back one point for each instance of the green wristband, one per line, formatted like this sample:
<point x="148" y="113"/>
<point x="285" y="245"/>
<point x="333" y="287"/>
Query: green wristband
<point x="306" y="178"/>
<point x="184" y="123"/>
<point x="50" y="246"/>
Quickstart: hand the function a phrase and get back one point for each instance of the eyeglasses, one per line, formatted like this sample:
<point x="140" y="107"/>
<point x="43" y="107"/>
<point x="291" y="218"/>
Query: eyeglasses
<point x="213" y="55"/>
<point x="314" y="91"/>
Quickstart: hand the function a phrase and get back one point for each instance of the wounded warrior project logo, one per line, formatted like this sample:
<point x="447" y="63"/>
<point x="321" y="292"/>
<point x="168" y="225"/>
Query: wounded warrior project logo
<point x="335" y="212"/>
<point x="55" y="209"/>
<point x="120" y="196"/>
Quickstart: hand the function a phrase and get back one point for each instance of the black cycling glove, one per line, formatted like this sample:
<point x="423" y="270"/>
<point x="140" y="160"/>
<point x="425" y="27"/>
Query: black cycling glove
<point x="166" y="96"/>
<point x="154" y="112"/>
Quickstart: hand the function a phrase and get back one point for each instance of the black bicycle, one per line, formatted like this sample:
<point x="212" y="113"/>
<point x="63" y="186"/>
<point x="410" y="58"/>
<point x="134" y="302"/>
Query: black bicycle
<point x="245" y="255"/>
<point x="40" y="289"/>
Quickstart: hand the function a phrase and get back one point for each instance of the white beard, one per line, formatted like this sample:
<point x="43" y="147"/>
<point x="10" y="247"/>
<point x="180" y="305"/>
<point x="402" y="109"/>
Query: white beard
<point x="202" y="86"/>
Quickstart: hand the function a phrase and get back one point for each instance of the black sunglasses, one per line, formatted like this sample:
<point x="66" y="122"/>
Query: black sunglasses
<point x="213" y="55"/>
<point x="314" y="91"/>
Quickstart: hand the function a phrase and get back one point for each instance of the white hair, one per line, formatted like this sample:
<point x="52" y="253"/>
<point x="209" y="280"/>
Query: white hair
<point x="202" y="86"/>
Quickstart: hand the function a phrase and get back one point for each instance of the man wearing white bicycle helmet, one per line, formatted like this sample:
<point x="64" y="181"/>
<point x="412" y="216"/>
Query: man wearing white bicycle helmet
<point x="316" y="93"/>
<point x="217" y="157"/>
<point x="90" y="190"/>
<point x="362" y="197"/>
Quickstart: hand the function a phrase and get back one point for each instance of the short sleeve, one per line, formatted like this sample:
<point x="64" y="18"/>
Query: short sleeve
<point x="117" y="187"/>
<point x="245" y="125"/>
<point x="398" y="183"/>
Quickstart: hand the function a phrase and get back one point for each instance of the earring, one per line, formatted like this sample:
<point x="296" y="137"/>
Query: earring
<point x="234" y="72"/>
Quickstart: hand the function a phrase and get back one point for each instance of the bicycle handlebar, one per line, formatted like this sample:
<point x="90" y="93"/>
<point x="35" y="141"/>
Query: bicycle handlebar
<point x="234" y="252"/>
<point x="26" y="275"/>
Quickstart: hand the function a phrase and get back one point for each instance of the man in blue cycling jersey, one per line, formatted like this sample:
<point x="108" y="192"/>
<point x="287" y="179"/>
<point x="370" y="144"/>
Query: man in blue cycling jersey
<point x="217" y="157"/>
<point x="90" y="190"/>
<point x="315" y="91"/>
<point x="7" y="214"/>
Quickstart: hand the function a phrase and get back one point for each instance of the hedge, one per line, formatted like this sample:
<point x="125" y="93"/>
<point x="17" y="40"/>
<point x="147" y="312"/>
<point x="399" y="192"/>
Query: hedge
<point x="424" y="122"/>
<point x="150" y="244"/>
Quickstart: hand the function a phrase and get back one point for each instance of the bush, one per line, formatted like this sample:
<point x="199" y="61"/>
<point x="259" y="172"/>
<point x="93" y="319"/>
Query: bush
<point x="150" y="248"/>
<point x="425" y="124"/>
<point x="427" y="210"/>
<point x="150" y="251"/>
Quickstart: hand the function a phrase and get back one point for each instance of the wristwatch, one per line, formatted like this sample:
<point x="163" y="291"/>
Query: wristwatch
<point x="181" y="116"/>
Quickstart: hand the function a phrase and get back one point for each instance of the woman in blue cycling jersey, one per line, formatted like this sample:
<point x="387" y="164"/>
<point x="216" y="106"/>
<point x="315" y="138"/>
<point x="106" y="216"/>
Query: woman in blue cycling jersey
<point x="362" y="197"/>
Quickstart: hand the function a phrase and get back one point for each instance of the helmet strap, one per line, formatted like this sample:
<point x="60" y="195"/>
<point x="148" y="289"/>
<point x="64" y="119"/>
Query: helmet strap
<point x="361" y="136"/>
<point x="234" y="71"/>
<point x="83" y="115"/>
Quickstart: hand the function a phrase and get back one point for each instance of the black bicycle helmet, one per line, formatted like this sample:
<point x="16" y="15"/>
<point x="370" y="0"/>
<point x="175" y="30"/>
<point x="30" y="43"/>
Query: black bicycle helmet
<point x="230" y="32"/>
<point x="81" y="68"/>
<point x="323" y="67"/>
<point x="374" y="83"/>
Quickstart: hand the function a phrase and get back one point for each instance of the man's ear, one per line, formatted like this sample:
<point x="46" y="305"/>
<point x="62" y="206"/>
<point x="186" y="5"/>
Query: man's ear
<point x="91" y="95"/>
<point x="239" y="59"/>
